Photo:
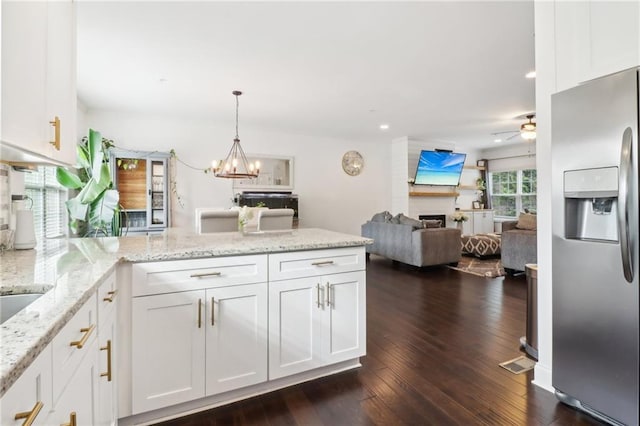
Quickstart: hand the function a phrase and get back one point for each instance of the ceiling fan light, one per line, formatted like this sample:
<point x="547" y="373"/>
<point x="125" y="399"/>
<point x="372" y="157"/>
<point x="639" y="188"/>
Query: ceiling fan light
<point x="528" y="135"/>
<point x="528" y="127"/>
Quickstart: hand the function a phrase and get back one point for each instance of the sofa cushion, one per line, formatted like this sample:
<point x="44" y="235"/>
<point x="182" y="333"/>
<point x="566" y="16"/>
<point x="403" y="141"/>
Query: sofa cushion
<point x="432" y="223"/>
<point x="404" y="220"/>
<point x="384" y="216"/>
<point x="527" y="221"/>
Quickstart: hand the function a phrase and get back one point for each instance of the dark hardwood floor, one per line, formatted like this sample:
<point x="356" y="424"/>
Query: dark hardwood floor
<point x="435" y="338"/>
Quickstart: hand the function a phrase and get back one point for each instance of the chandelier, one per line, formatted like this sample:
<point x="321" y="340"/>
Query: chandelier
<point x="235" y="166"/>
<point x="528" y="130"/>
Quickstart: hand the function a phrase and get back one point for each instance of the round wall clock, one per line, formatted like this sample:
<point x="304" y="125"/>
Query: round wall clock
<point x="352" y="163"/>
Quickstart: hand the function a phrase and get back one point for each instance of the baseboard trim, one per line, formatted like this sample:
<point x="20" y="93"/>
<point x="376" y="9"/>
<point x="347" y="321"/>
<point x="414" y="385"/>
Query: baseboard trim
<point x="202" y="404"/>
<point x="542" y="378"/>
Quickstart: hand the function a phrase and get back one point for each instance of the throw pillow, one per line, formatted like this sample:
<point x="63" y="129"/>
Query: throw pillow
<point x="432" y="223"/>
<point x="527" y="221"/>
<point x="404" y="220"/>
<point x="381" y="217"/>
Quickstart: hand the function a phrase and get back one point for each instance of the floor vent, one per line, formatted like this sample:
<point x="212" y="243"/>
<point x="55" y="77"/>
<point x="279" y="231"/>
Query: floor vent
<point x="518" y="365"/>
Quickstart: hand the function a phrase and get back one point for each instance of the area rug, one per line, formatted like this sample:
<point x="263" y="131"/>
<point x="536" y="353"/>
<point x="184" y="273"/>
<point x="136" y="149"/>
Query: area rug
<point x="518" y="365"/>
<point x="490" y="268"/>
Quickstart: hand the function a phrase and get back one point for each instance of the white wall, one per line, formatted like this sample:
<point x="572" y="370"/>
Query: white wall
<point x="328" y="197"/>
<point x="405" y="154"/>
<point x="545" y="86"/>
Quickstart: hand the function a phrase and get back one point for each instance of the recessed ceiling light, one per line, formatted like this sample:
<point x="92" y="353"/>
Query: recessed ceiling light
<point x="497" y="140"/>
<point x="531" y="74"/>
<point x="384" y="127"/>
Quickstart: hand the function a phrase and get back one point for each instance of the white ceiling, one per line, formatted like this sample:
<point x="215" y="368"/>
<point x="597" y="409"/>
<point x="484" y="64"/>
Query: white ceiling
<point x="447" y="71"/>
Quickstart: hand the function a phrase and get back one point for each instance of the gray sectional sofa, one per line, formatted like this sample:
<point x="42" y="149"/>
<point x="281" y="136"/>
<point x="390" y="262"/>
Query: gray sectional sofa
<point x="519" y="247"/>
<point x="418" y="247"/>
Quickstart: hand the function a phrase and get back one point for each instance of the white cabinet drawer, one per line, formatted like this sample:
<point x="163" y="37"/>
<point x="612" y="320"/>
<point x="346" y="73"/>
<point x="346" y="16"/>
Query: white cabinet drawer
<point x="72" y="343"/>
<point x="184" y="275"/>
<point x="107" y="296"/>
<point x="283" y="266"/>
<point x="31" y="393"/>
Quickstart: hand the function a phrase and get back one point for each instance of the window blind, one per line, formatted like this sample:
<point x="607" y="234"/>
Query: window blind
<point x="49" y="212"/>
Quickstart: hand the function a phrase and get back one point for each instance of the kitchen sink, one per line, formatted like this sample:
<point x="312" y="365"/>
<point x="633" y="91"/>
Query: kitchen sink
<point x="11" y="304"/>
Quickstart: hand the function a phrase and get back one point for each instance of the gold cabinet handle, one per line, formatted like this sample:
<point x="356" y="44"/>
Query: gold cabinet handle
<point x="111" y="294"/>
<point x="30" y="416"/>
<point x="108" y="349"/>
<point x="87" y="332"/>
<point x="56" y="125"/>
<point x="213" y="311"/>
<point x="72" y="420"/>
<point x="206" y="274"/>
<point x="199" y="313"/>
<point x="323" y="262"/>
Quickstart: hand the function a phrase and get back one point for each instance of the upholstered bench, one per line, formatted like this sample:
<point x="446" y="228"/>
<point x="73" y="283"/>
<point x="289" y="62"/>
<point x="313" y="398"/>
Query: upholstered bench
<point x="481" y="245"/>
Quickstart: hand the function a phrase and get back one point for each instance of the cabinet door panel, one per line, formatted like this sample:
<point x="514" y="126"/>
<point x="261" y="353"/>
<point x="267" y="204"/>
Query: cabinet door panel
<point x="344" y="331"/>
<point x="167" y="349"/>
<point x="294" y="326"/>
<point x="106" y="413"/>
<point x="24" y="74"/>
<point x="66" y="357"/>
<point x="61" y="78"/>
<point x="34" y="385"/>
<point x="80" y="395"/>
<point x="236" y="337"/>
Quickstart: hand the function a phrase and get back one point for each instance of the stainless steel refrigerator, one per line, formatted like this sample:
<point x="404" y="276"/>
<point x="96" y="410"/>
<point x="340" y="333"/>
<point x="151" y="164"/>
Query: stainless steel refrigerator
<point x="595" y="247"/>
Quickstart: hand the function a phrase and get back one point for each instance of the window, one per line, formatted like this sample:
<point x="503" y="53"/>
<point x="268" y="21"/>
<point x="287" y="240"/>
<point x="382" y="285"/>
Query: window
<point x="512" y="192"/>
<point x="49" y="211"/>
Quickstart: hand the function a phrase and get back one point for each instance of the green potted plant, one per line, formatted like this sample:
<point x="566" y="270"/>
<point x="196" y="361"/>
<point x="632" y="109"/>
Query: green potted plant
<point x="95" y="210"/>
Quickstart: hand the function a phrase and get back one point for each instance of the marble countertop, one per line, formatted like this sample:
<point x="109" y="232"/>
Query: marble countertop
<point x="68" y="272"/>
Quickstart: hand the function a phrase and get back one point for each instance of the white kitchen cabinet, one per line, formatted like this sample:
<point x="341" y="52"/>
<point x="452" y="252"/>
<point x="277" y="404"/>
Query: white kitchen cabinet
<point x="315" y="321"/>
<point x="80" y="395"/>
<point x="168" y="349"/>
<point x="106" y="409"/>
<point x="24" y="53"/>
<point x="344" y="321"/>
<point x="38" y="76"/>
<point x="594" y="39"/>
<point x="205" y="341"/>
<point x="30" y="396"/>
<point x="295" y="319"/>
<point x="480" y="222"/>
<point x="72" y="344"/>
<point x="483" y="221"/>
<point x="316" y="309"/>
<point x="61" y="99"/>
<point x="236" y="337"/>
<point x="75" y="367"/>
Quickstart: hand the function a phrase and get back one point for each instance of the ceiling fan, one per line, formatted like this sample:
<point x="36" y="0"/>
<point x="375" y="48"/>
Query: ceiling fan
<point x="527" y="130"/>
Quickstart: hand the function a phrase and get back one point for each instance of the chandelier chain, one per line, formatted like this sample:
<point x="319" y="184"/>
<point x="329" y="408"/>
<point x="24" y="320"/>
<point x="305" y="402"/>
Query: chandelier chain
<point x="237" y="106"/>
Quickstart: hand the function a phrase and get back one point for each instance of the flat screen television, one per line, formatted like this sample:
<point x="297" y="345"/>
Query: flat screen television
<point x="439" y="168"/>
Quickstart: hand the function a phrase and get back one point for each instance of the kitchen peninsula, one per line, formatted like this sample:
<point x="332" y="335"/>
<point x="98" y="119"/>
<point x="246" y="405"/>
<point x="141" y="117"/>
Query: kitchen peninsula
<point x="182" y="321"/>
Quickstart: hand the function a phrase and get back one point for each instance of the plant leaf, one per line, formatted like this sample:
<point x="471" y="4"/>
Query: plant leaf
<point x="105" y="175"/>
<point x="82" y="155"/>
<point x="91" y="192"/>
<point x="77" y="210"/>
<point x="96" y="167"/>
<point x="94" y="145"/>
<point x="67" y="179"/>
<point x="102" y="210"/>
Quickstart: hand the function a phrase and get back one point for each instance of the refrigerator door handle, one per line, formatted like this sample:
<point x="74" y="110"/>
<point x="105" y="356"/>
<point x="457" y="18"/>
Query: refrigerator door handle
<point x="624" y="193"/>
